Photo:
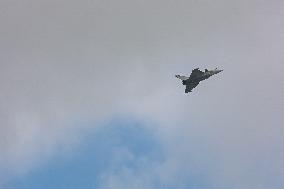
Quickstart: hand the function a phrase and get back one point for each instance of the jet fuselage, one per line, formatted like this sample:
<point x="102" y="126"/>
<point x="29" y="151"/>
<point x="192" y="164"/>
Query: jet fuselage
<point x="201" y="77"/>
<point x="195" y="77"/>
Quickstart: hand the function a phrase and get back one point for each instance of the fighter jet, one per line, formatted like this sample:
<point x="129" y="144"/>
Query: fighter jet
<point x="196" y="76"/>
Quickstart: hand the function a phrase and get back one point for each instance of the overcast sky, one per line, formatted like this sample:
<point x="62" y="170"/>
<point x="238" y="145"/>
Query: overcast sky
<point x="88" y="94"/>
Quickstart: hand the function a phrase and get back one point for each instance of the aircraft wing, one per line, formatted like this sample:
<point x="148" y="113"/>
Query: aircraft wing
<point x="190" y="86"/>
<point x="195" y="72"/>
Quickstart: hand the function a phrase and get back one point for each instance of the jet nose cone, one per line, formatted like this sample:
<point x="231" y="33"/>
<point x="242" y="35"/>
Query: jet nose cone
<point x="218" y="71"/>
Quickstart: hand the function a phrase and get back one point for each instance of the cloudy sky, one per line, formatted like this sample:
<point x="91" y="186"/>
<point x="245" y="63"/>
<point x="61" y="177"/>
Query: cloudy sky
<point x="89" y="99"/>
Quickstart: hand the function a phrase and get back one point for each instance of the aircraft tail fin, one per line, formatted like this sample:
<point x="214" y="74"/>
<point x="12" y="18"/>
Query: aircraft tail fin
<point x="183" y="78"/>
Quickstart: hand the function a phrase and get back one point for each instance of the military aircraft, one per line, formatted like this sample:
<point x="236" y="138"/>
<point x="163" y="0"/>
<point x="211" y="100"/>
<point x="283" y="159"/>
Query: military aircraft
<point x="196" y="76"/>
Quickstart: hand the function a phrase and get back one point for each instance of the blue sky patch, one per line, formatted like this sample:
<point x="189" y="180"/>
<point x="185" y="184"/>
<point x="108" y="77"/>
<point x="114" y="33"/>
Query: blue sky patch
<point x="122" y="144"/>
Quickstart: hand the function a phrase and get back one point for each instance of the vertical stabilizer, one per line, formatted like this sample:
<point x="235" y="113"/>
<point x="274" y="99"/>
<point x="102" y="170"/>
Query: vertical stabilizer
<point x="182" y="77"/>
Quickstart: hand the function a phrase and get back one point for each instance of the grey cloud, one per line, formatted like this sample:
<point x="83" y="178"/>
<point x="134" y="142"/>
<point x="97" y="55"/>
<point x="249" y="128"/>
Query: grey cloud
<point x="64" y="61"/>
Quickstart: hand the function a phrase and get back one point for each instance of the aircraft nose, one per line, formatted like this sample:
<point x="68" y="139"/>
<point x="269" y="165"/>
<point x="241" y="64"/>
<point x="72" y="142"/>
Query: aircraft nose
<point x="218" y="71"/>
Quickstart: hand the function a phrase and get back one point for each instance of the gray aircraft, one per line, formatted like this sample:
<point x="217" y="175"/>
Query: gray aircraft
<point x="196" y="76"/>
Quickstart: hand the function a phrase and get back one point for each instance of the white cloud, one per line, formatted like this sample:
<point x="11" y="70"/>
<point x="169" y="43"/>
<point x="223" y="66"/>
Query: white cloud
<point x="62" y="63"/>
